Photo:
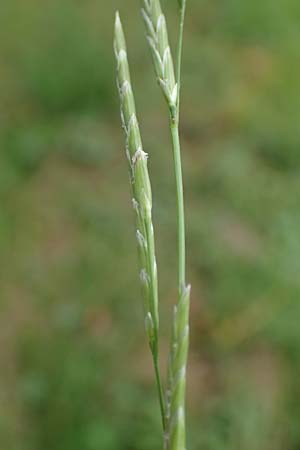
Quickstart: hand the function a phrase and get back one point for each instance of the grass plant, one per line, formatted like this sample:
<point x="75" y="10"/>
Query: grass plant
<point x="172" y="398"/>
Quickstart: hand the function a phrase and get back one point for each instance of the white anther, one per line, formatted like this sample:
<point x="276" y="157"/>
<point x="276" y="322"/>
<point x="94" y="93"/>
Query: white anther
<point x="144" y="277"/>
<point x="141" y="239"/>
<point x="125" y="88"/>
<point x="135" y="205"/>
<point x="139" y="154"/>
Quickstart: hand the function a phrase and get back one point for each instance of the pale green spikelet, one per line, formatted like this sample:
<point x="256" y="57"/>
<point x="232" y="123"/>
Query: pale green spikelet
<point x="175" y="395"/>
<point x="157" y="35"/>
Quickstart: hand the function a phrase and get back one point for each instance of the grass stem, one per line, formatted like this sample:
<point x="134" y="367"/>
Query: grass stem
<point x="180" y="203"/>
<point x="159" y="389"/>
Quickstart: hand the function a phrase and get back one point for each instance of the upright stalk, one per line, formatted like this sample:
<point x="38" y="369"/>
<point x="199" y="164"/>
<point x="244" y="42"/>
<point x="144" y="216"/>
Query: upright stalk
<point x="159" y="389"/>
<point x="169" y="81"/>
<point x="177" y="155"/>
<point x="174" y="126"/>
<point x="175" y="438"/>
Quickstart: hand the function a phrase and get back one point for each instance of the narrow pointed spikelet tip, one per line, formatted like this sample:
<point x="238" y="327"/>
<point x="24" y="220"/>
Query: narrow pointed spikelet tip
<point x="118" y="26"/>
<point x="119" y="40"/>
<point x="118" y="20"/>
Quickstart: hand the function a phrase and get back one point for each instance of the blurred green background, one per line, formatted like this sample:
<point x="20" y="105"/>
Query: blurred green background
<point x="75" y="368"/>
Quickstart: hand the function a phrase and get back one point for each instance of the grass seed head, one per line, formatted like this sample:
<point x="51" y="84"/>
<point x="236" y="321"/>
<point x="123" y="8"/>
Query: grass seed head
<point x="157" y="34"/>
<point x="140" y="183"/>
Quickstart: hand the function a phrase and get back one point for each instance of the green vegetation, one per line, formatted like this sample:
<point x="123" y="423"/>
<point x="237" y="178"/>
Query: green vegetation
<point x="74" y="372"/>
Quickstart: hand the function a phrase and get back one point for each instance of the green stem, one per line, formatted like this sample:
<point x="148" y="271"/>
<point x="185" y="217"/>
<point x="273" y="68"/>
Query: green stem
<point x="177" y="436"/>
<point x="180" y="203"/>
<point x="159" y="387"/>
<point x="174" y="124"/>
<point x="154" y="311"/>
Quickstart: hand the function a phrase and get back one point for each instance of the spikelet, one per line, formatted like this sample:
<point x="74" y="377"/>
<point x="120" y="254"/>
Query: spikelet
<point x="140" y="187"/>
<point x="175" y="394"/>
<point x="157" y="35"/>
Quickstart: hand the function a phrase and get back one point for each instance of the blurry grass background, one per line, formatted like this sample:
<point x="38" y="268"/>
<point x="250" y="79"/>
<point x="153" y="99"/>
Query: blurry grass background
<point x="75" y="368"/>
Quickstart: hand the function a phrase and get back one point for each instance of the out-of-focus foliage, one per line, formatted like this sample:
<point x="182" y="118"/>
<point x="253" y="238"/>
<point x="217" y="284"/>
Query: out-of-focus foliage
<point x="75" y="369"/>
